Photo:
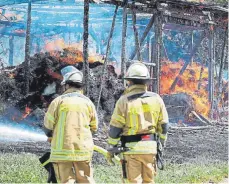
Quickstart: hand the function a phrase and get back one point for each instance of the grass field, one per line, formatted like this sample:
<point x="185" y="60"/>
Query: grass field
<point x="25" y="168"/>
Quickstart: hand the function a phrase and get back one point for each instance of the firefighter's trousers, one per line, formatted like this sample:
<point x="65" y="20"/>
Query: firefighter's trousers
<point x="68" y="172"/>
<point x="140" y="168"/>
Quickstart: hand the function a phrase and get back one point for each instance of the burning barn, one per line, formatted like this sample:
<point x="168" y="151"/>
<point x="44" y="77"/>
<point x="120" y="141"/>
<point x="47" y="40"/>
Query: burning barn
<point x="183" y="43"/>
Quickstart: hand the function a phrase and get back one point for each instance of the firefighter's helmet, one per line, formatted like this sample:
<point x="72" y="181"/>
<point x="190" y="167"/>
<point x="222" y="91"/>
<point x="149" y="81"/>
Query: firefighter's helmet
<point x="70" y="73"/>
<point x="137" y="70"/>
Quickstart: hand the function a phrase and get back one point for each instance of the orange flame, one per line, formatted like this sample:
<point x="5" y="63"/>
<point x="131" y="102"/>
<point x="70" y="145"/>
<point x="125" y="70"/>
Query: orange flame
<point x="54" y="74"/>
<point x="187" y="83"/>
<point x="11" y="75"/>
<point x="72" y="53"/>
<point x="27" y="112"/>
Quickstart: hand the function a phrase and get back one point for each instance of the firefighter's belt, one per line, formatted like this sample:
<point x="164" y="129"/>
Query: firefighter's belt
<point x="137" y="138"/>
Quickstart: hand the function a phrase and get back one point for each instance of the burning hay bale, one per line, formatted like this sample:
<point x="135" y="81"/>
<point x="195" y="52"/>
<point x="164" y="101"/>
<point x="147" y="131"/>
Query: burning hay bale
<point x="8" y="88"/>
<point x="179" y="105"/>
<point x="193" y="82"/>
<point x="45" y="79"/>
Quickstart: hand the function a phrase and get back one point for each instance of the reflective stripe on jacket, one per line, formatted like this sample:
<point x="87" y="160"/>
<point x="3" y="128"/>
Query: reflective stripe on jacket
<point x="138" y="115"/>
<point x="72" y="117"/>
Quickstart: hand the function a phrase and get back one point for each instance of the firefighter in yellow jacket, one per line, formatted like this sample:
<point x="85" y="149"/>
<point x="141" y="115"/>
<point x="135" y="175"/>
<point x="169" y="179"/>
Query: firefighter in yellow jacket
<point x="69" y="122"/>
<point x="138" y="116"/>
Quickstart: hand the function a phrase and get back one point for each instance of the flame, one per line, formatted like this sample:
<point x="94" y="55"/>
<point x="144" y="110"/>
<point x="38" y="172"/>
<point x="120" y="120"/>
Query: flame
<point x="27" y="112"/>
<point x="72" y="53"/>
<point x="187" y="83"/>
<point x="11" y="75"/>
<point x="18" y="116"/>
<point x="54" y="74"/>
<point x="55" y="45"/>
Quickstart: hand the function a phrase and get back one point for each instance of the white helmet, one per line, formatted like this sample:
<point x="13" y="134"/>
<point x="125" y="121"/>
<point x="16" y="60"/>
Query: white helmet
<point x="70" y="73"/>
<point x="137" y="70"/>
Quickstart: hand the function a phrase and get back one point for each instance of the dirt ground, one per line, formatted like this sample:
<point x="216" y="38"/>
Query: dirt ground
<point x="182" y="145"/>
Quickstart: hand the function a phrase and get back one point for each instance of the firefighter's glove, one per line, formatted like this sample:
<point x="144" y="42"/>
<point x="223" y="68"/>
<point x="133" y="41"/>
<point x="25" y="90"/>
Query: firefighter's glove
<point x="110" y="154"/>
<point x="49" y="139"/>
<point x="110" y="157"/>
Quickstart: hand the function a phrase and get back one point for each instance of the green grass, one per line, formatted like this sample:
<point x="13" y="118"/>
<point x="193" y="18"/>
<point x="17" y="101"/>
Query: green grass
<point x="24" y="168"/>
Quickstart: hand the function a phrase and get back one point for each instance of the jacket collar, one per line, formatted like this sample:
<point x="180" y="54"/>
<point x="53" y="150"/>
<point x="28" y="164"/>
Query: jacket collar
<point x="72" y="90"/>
<point x="136" y="88"/>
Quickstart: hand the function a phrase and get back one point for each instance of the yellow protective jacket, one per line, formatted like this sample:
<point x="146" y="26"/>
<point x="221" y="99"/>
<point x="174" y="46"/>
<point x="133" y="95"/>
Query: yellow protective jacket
<point x="138" y="112"/>
<point x="71" y="117"/>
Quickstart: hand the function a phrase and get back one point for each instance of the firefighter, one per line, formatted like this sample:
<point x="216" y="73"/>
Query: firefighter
<point x="69" y="123"/>
<point x="139" y="116"/>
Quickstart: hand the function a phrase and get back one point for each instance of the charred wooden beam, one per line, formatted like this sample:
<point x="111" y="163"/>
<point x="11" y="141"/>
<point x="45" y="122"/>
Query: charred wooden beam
<point x="157" y="52"/>
<point x="107" y="55"/>
<point x="85" y="47"/>
<point x="211" y="65"/>
<point x="180" y="13"/>
<point x="151" y="61"/>
<point x="199" y="118"/>
<point x="140" y="8"/>
<point x="192" y="39"/>
<point x="148" y="46"/>
<point x="124" y="29"/>
<point x="137" y="44"/>
<point x="146" y="2"/>
<point x="186" y="63"/>
<point x="146" y="32"/>
<point x="164" y="49"/>
<point x="38" y="49"/>
<point x="223" y="60"/>
<point x="27" y="48"/>
<point x="181" y="28"/>
<point x="191" y="128"/>
<point x="201" y="75"/>
<point x="11" y="50"/>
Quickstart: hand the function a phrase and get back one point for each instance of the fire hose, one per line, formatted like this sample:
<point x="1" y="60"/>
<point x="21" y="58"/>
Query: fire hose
<point x="45" y="160"/>
<point x="98" y="149"/>
<point x="116" y="151"/>
<point x="105" y="152"/>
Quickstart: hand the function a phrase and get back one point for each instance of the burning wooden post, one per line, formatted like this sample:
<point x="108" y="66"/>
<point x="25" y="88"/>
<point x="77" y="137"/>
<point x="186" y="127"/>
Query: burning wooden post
<point x="146" y="32"/>
<point x="137" y="44"/>
<point x="157" y="52"/>
<point x="27" y="48"/>
<point x="85" y="47"/>
<point x="107" y="54"/>
<point x="11" y="50"/>
<point x="124" y="29"/>
<point x="201" y="75"/>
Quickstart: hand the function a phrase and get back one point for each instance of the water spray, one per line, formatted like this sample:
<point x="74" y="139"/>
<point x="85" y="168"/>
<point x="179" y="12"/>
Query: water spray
<point x="18" y="134"/>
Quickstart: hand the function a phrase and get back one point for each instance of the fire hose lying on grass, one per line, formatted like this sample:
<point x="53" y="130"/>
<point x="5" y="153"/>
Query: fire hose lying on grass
<point x="45" y="162"/>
